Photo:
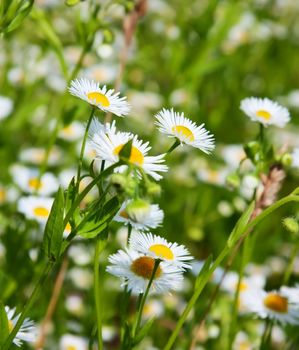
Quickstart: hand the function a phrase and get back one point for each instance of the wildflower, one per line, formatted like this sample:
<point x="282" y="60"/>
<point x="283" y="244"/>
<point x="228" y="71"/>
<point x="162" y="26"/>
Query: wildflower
<point x="231" y="280"/>
<point x="36" y="155"/>
<point x="36" y="208"/>
<point x="136" y="270"/>
<point x="140" y="214"/>
<point x="72" y="342"/>
<point x="108" y="143"/>
<point x="275" y="305"/>
<point x="6" y="107"/>
<point x="104" y="99"/>
<point x="72" y="132"/>
<point x="292" y="293"/>
<point x="158" y="248"/>
<point x="176" y="125"/>
<point x="29" y="181"/>
<point x="265" y="111"/>
<point x="295" y="158"/>
<point x="26" y="333"/>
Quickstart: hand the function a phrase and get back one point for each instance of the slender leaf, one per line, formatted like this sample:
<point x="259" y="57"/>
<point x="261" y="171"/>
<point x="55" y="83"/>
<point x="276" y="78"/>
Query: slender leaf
<point x="4" y="330"/>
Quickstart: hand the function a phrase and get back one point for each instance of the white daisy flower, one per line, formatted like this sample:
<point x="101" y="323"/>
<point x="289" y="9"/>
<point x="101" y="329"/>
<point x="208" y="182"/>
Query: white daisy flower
<point x="158" y="248"/>
<point x="35" y="208"/>
<point x="295" y="158"/>
<point x="27" y="179"/>
<point x="72" y="342"/>
<point x="27" y="332"/>
<point x="6" y="107"/>
<point x="176" y="125"/>
<point x="36" y="155"/>
<point x="153" y="308"/>
<point x="108" y="143"/>
<point x="140" y="214"/>
<point x="231" y="280"/>
<point x="104" y="99"/>
<point x="292" y="293"/>
<point x="265" y="111"/>
<point x="136" y="270"/>
<point x="274" y="305"/>
<point x="72" y="132"/>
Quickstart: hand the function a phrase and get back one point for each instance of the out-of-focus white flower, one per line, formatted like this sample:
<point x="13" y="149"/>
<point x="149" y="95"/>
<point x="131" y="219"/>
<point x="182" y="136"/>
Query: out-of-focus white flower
<point x="233" y="155"/>
<point x="242" y="342"/>
<point x="81" y="277"/>
<point x="295" y="158"/>
<point x="35" y="208"/>
<point x="6" y="107"/>
<point x="36" y="155"/>
<point x="265" y="111"/>
<point x="153" y="308"/>
<point x="72" y="342"/>
<point x="74" y="305"/>
<point x="72" y="132"/>
<point x="248" y="186"/>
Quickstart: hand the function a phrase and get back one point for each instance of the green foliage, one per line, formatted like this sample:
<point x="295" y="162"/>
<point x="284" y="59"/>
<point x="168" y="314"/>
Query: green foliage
<point x="4" y="330"/>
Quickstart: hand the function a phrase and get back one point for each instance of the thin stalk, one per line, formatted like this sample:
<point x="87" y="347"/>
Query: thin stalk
<point x="290" y="265"/>
<point x="97" y="290"/>
<point x="129" y="234"/>
<point x="83" y="149"/>
<point x="29" y="304"/>
<point x="265" y="335"/>
<point x="174" y="146"/>
<point x="143" y="299"/>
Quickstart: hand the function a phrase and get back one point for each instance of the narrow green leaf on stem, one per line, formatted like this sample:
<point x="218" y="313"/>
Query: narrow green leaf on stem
<point x="4" y="329"/>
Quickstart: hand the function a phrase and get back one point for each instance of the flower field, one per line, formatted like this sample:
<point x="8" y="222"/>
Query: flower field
<point x="149" y="174"/>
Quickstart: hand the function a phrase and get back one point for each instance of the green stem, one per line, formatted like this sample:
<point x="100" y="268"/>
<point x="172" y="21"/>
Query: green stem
<point x="290" y="265"/>
<point x="129" y="234"/>
<point x="174" y="146"/>
<point x="143" y="299"/>
<point x="266" y="334"/>
<point x="226" y="250"/>
<point x="83" y="149"/>
<point x="100" y="245"/>
<point x="28" y="305"/>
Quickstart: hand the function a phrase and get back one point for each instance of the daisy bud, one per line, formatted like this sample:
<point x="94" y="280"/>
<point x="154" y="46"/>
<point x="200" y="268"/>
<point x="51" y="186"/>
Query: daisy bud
<point x="291" y="224"/>
<point x="252" y="149"/>
<point x="287" y="160"/>
<point x="233" y="180"/>
<point x="123" y="183"/>
<point x="153" y="189"/>
<point x="138" y="209"/>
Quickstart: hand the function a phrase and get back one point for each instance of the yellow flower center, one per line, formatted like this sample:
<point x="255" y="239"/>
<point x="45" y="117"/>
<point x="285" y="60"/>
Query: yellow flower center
<point x="41" y="211"/>
<point x="35" y="183"/>
<point x="144" y="267"/>
<point x="68" y="228"/>
<point x="124" y="214"/>
<point x="136" y="156"/>
<point x="276" y="302"/>
<point x="2" y="195"/>
<point x="98" y="98"/>
<point x="68" y="130"/>
<point x="162" y="251"/>
<point x="10" y="326"/>
<point x="243" y="286"/>
<point x="183" y="131"/>
<point x="71" y="347"/>
<point x="263" y="114"/>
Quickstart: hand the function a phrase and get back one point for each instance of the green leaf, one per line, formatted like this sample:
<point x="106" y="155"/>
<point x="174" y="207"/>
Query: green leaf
<point x="143" y="331"/>
<point x="54" y="228"/>
<point x="71" y="2"/>
<point x="4" y="330"/>
<point x="7" y="286"/>
<point x="240" y="227"/>
<point x="125" y="152"/>
<point x="204" y="271"/>
<point x="97" y="220"/>
<point x="22" y="13"/>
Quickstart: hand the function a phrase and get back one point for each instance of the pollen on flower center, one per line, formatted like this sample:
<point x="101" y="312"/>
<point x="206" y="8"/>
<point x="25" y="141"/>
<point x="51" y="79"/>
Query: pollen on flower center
<point x="136" y="156"/>
<point x="41" y="211"/>
<point x="98" y="98"/>
<point x="162" y="251"/>
<point x="10" y="326"/>
<point x="35" y="183"/>
<point x="144" y="267"/>
<point x="276" y="303"/>
<point x="2" y="195"/>
<point x="263" y="114"/>
<point x="184" y="131"/>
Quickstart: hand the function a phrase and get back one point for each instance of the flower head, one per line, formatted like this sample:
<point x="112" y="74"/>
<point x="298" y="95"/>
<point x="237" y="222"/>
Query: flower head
<point x="265" y="111"/>
<point x="26" y="333"/>
<point x="140" y="214"/>
<point x="136" y="270"/>
<point x="72" y="342"/>
<point x="176" y="125"/>
<point x="104" y="99"/>
<point x="35" y="208"/>
<point x="158" y="248"/>
<point x="275" y="305"/>
<point x="108" y="143"/>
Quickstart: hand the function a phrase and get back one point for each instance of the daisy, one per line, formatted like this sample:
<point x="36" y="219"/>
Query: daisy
<point x="26" y="333"/>
<point x="6" y="107"/>
<point x="176" y="125"/>
<point x="37" y="155"/>
<point x="292" y="293"/>
<point x="28" y="180"/>
<point x="265" y="111"/>
<point x="274" y="305"/>
<point x="72" y="342"/>
<point x="136" y="270"/>
<point x="72" y="132"/>
<point x="231" y="280"/>
<point x="140" y="214"/>
<point x="35" y="208"/>
<point x="104" y="99"/>
<point x="158" y="248"/>
<point x="108" y="143"/>
<point x="295" y="158"/>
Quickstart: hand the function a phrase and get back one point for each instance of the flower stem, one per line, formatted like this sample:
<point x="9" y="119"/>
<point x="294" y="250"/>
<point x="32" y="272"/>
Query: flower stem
<point x="83" y="149"/>
<point x="143" y="299"/>
<point x="290" y="265"/>
<point x="174" y="146"/>
<point x="28" y="305"/>
<point x="101" y="241"/>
